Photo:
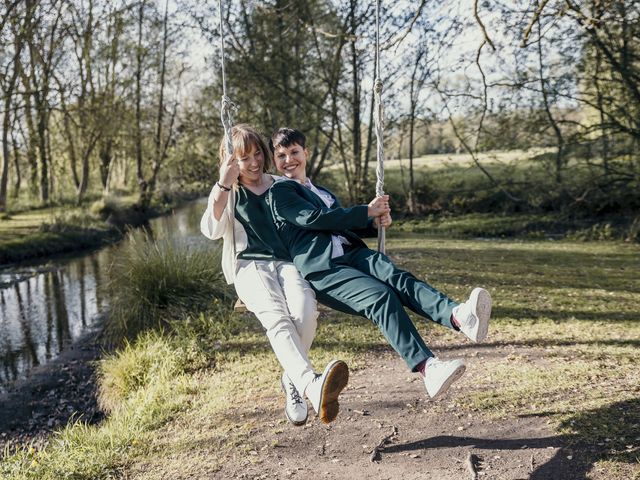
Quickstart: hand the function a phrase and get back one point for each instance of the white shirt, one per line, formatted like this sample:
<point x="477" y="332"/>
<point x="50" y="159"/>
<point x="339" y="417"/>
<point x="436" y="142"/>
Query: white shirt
<point x="337" y="241"/>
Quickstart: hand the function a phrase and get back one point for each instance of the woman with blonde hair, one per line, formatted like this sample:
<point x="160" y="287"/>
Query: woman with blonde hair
<point x="258" y="264"/>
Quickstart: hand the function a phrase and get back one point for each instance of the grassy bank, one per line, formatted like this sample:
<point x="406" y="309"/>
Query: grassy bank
<point x="26" y="234"/>
<point x="454" y="199"/>
<point x="181" y="402"/>
<point x="522" y="199"/>
<point x="519" y="226"/>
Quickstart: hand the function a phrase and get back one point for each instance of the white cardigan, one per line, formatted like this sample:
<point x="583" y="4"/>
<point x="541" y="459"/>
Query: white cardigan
<point x="215" y="229"/>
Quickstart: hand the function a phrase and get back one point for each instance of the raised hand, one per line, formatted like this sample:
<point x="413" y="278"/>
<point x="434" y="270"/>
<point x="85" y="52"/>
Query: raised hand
<point x="229" y="171"/>
<point x="378" y="206"/>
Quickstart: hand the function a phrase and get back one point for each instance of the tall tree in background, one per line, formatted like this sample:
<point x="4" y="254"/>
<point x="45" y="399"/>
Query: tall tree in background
<point x="139" y="67"/>
<point x="86" y="120"/>
<point x="419" y="74"/>
<point x="43" y="42"/>
<point x="8" y="82"/>
<point x="91" y="89"/>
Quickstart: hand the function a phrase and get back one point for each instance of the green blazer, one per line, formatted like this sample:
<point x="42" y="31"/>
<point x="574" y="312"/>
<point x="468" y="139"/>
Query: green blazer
<point x="305" y="224"/>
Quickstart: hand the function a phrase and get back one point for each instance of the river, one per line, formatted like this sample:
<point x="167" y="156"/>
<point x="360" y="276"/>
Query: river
<point x="46" y="306"/>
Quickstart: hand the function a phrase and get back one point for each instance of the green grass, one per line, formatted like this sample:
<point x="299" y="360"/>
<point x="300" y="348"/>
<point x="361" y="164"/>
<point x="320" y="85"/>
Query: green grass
<point x="532" y="226"/>
<point x="522" y="225"/>
<point x="566" y="314"/>
<point x="40" y="232"/>
<point x="53" y="230"/>
<point x="456" y="195"/>
<point x="155" y="282"/>
<point x="80" y="451"/>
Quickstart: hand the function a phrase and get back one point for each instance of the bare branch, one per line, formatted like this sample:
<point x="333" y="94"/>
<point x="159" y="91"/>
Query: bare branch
<point x="533" y="21"/>
<point x="471" y="151"/>
<point x="482" y="27"/>
<point x="404" y="34"/>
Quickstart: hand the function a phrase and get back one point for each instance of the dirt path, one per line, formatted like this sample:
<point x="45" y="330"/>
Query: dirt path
<point x="432" y="439"/>
<point x="425" y="439"/>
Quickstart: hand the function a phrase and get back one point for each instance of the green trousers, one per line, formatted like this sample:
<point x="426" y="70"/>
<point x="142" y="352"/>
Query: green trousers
<point x="367" y="283"/>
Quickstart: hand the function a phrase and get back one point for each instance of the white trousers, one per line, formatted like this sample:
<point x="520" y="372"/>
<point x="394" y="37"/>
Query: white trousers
<point x="285" y="305"/>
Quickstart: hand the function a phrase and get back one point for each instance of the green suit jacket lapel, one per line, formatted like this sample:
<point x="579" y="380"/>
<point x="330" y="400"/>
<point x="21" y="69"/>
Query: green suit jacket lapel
<point x="306" y="224"/>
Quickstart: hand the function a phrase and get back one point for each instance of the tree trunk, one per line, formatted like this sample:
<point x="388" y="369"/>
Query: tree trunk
<point x="42" y="149"/>
<point x="30" y="137"/>
<point x="106" y="158"/>
<point x="356" y="137"/>
<point x="142" y="183"/>
<point x="6" y="121"/>
<point x="559" y="162"/>
<point x="159" y="150"/>
<point x="411" y="197"/>
<point x="69" y="134"/>
<point x="283" y="64"/>
<point x="4" y="172"/>
<point x="17" y="185"/>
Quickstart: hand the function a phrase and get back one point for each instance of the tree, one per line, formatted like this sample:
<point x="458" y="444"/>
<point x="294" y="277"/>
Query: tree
<point x="8" y="83"/>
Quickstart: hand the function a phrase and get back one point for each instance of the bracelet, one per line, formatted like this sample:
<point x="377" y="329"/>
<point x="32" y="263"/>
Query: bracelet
<point x="223" y="188"/>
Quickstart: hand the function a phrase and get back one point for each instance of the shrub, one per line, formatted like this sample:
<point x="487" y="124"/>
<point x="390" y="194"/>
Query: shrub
<point x="156" y="281"/>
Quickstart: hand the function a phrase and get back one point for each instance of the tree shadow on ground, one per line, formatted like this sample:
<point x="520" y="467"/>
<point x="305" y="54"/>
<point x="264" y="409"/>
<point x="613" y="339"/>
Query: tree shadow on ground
<point x="524" y="268"/>
<point x="563" y="315"/>
<point x="609" y="433"/>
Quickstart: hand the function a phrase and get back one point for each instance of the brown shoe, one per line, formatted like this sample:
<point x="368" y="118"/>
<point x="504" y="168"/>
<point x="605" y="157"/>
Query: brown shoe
<point x="323" y="391"/>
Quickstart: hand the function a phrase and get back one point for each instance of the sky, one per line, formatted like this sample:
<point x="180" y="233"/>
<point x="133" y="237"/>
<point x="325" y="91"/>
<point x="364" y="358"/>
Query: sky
<point x="204" y="57"/>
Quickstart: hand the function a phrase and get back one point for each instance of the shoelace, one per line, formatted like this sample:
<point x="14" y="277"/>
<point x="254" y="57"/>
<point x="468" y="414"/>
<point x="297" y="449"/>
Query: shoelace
<point x="295" y="396"/>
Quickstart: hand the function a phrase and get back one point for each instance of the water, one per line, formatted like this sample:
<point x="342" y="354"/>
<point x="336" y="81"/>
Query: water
<point x="46" y="307"/>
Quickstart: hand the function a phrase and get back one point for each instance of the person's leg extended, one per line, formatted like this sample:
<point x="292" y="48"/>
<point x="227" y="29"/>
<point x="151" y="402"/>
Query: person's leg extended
<point x="349" y="290"/>
<point x="415" y="294"/>
<point x="352" y="291"/>
<point x="258" y="287"/>
<point x="471" y="317"/>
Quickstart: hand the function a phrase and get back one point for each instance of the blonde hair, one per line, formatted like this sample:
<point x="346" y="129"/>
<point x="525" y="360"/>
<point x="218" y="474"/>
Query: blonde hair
<point x="244" y="139"/>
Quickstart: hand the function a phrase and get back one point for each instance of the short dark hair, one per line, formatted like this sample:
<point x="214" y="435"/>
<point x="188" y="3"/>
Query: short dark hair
<point x="285" y="137"/>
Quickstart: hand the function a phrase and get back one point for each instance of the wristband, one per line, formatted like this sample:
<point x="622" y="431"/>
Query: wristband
<point x="223" y="188"/>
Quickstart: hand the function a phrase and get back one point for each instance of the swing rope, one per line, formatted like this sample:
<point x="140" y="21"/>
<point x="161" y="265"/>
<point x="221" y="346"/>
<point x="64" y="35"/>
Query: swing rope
<point x="227" y="110"/>
<point x="227" y="107"/>
<point x="379" y="127"/>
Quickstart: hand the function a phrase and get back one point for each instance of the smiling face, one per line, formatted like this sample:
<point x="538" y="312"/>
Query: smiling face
<point x="291" y="161"/>
<point x="251" y="152"/>
<point x="251" y="165"/>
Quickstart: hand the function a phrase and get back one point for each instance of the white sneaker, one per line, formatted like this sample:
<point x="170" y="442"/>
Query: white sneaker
<point x="295" y="408"/>
<point x="473" y="315"/>
<point x="323" y="391"/>
<point x="440" y="374"/>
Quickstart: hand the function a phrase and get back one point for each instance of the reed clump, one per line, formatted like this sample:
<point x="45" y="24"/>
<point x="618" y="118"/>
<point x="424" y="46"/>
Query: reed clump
<point x="156" y="282"/>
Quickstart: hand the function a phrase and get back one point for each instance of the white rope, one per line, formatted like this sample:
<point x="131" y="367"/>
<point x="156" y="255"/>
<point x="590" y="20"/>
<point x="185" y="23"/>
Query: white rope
<point x="378" y="117"/>
<point x="227" y="110"/>
<point x="227" y="107"/>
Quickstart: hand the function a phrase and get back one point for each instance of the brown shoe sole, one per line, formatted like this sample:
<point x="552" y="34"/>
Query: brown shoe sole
<point x="337" y="376"/>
